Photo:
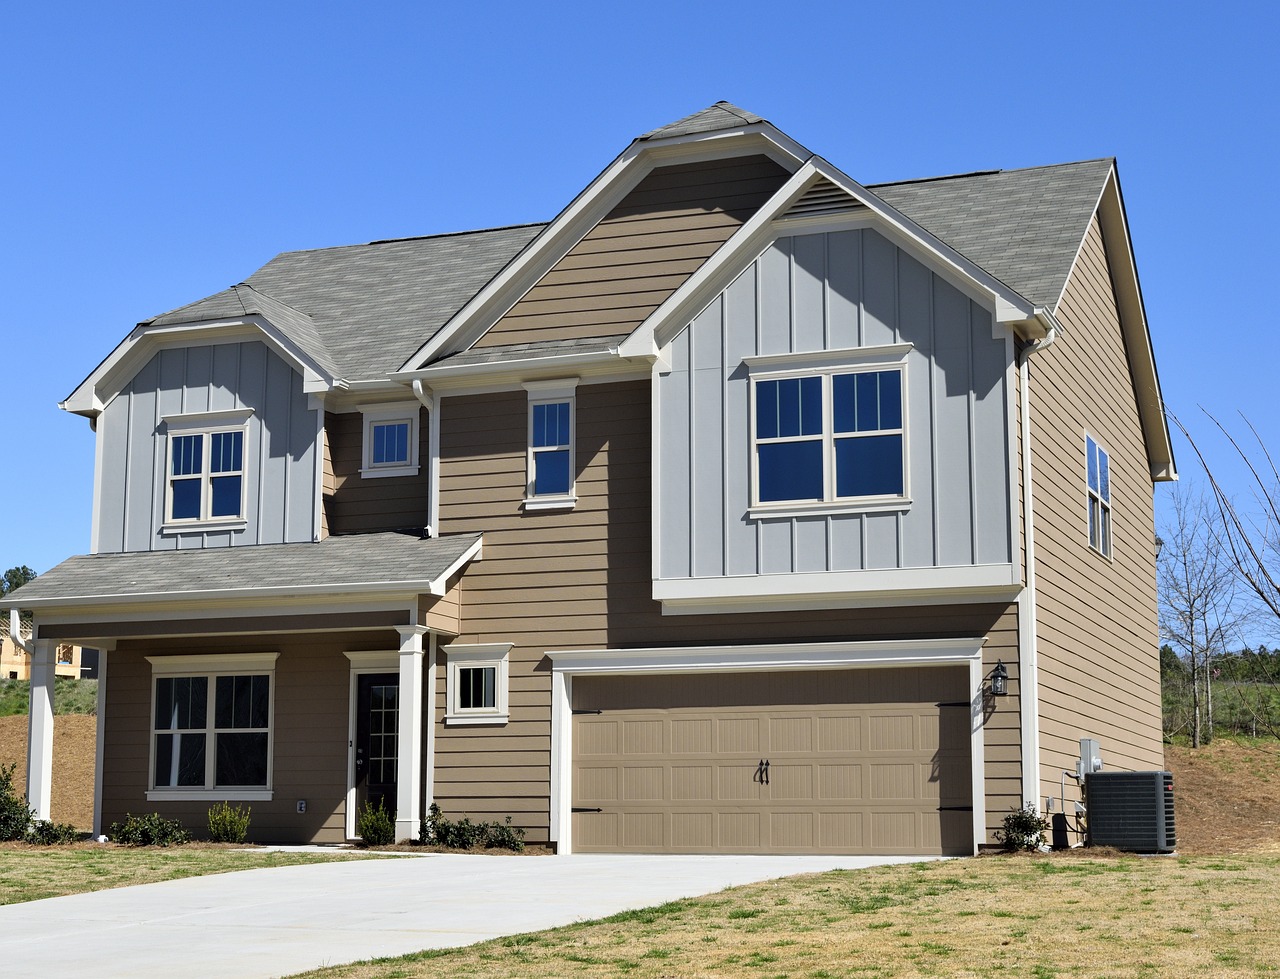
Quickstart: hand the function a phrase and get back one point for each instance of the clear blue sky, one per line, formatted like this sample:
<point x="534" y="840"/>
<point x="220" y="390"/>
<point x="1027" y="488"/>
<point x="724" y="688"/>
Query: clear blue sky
<point x="153" y="154"/>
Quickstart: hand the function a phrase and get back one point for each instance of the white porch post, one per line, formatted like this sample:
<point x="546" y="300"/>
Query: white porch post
<point x="40" y="728"/>
<point x="409" y="742"/>
<point x="103" y="649"/>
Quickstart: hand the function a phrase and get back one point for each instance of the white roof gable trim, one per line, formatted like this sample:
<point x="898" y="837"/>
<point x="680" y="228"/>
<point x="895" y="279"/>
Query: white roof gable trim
<point x="701" y="287"/>
<point x="110" y="377"/>
<point x="583" y="213"/>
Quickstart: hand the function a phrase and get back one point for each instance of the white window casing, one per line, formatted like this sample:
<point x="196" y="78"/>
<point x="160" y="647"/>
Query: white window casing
<point x="546" y="396"/>
<point x="390" y="440"/>
<point x="476" y="683"/>
<point x="210" y="667"/>
<point x="1098" y="495"/>
<point x="193" y="463"/>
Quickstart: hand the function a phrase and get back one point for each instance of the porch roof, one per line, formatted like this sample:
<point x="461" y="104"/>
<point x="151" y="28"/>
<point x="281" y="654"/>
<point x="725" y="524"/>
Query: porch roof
<point x="399" y="563"/>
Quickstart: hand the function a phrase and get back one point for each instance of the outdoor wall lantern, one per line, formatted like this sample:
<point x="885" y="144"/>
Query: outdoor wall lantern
<point x="999" y="680"/>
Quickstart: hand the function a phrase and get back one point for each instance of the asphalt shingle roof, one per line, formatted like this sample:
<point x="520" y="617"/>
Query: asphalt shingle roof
<point x="529" y="351"/>
<point x="358" y="561"/>
<point x="1022" y="226"/>
<point x="722" y="115"/>
<point x="367" y="308"/>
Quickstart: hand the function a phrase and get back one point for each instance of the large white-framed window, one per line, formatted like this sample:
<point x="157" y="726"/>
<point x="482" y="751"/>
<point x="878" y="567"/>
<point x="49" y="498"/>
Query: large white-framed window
<point x="205" y="470"/>
<point x="212" y="726"/>
<point x="1098" y="493"/>
<point x="550" y="465"/>
<point x="390" y="440"/>
<point x="829" y="432"/>
<point x="476" y="683"/>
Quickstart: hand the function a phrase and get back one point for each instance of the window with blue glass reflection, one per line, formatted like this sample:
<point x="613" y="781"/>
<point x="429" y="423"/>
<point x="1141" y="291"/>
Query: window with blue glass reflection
<point x="206" y="475"/>
<point x="551" y="426"/>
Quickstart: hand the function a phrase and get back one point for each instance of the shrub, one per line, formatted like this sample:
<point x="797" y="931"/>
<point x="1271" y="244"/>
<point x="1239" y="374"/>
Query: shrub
<point x="463" y="834"/>
<point x="228" y="823"/>
<point x="15" y="815"/>
<point x="375" y="826"/>
<point x="1024" y="829"/>
<point x="149" y="830"/>
<point x="45" y="832"/>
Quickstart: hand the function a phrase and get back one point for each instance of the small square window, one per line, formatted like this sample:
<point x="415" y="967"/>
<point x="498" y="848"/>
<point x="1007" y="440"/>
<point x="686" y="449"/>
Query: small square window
<point x="390" y="440"/>
<point x="1098" y="485"/>
<point x="477" y="683"/>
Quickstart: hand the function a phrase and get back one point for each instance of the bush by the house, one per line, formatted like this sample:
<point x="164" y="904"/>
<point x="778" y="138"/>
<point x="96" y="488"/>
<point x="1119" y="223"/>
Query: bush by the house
<point x="228" y="823"/>
<point x="151" y="829"/>
<point x="15" y="815"/>
<point x="45" y="832"/>
<point x="375" y="826"/>
<point x="1024" y="829"/>
<point x="463" y="834"/>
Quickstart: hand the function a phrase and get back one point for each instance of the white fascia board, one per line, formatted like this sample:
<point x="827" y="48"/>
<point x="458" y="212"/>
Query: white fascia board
<point x="129" y="357"/>
<point x="583" y="213"/>
<point x="510" y="375"/>
<point x="838" y="589"/>
<point x="1137" y="332"/>
<point x="700" y="288"/>
<point x="780" y="656"/>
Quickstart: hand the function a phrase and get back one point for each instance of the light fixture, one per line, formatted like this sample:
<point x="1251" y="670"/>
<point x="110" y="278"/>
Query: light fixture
<point x="999" y="680"/>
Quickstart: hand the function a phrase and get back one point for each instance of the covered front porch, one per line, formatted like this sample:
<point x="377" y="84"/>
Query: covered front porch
<point x="298" y="679"/>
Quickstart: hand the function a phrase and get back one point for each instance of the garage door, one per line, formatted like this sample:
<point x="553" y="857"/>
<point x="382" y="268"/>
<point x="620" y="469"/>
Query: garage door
<point x="850" y="761"/>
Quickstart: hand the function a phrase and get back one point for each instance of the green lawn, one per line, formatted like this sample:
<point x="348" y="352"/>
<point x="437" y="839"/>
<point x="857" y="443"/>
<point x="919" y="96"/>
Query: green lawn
<point x="70" y="696"/>
<point x="29" y="873"/>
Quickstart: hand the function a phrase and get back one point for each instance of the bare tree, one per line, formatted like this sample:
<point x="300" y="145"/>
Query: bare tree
<point x="1200" y="607"/>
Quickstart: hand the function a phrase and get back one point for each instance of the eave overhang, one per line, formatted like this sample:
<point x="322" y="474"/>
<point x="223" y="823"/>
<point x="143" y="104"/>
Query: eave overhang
<point x="110" y="377"/>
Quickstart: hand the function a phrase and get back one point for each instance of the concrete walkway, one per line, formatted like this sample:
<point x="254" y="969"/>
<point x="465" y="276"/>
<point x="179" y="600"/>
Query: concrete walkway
<point x="286" y="920"/>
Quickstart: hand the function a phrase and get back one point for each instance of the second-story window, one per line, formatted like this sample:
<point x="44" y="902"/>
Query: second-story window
<point x="206" y="468"/>
<point x="390" y="440"/>
<point x="1098" y="467"/>
<point x="550" y="474"/>
<point x="830" y="437"/>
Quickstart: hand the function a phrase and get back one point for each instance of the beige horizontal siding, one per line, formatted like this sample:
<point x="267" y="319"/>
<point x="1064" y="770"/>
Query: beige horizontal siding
<point x="641" y="252"/>
<point x="1098" y="650"/>
<point x="309" y="733"/>
<point x="356" y="505"/>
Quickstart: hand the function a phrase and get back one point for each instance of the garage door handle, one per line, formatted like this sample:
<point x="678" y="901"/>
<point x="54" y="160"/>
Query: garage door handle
<point x="766" y="771"/>
<point x="758" y="776"/>
<point x="955" y="809"/>
<point x="586" y="809"/>
<point x="587" y="710"/>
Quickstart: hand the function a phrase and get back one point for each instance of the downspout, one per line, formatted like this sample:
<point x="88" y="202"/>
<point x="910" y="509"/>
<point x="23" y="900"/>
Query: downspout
<point x="15" y="631"/>
<point x="1028" y="668"/>
<point x="431" y="402"/>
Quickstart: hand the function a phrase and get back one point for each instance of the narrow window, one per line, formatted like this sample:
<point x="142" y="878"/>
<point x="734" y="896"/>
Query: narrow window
<point x="549" y="482"/>
<point x="1098" y="466"/>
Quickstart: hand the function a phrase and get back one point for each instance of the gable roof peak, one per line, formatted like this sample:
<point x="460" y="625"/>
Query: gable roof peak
<point x="722" y="115"/>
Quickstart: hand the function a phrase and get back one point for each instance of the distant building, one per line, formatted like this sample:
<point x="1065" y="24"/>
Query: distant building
<point x="15" y="664"/>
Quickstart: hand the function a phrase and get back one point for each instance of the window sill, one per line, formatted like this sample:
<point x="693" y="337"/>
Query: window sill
<point x="383" y="472"/>
<point x="201" y="526"/>
<point x="895" y="504"/>
<point x="473" y="719"/>
<point x="209" y="795"/>
<point x="550" y="502"/>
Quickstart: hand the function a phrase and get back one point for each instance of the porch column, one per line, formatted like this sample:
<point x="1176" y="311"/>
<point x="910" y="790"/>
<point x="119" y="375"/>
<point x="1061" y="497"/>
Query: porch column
<point x="104" y="648"/>
<point x="40" y="727"/>
<point x="409" y="737"/>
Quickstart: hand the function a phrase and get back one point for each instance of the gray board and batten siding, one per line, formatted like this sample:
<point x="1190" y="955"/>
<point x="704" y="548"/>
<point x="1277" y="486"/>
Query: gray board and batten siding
<point x="279" y="448"/>
<point x="833" y="291"/>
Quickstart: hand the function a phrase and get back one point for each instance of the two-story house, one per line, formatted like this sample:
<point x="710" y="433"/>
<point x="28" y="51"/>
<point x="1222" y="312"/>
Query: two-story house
<point x="702" y="518"/>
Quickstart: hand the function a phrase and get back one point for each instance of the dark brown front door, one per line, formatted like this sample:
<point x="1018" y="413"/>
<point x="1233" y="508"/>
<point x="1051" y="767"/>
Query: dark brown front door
<point x="377" y="723"/>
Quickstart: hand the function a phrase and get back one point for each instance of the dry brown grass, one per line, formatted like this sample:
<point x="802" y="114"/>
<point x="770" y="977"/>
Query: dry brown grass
<point x="1066" y="914"/>
<point x="74" y="739"/>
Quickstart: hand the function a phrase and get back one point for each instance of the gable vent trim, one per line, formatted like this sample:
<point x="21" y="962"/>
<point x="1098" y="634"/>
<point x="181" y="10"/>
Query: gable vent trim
<point x="823" y="197"/>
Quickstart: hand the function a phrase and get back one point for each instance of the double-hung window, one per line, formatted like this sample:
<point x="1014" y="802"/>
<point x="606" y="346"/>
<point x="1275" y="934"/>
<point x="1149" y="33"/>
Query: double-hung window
<point x="550" y="474"/>
<point x="477" y="683"/>
<point x="205" y="468"/>
<point x="831" y="437"/>
<point x="211" y="726"/>
<point x="1098" y="467"/>
<point x="390" y="440"/>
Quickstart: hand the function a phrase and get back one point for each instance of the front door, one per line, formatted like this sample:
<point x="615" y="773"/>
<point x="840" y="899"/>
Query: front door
<point x="377" y="727"/>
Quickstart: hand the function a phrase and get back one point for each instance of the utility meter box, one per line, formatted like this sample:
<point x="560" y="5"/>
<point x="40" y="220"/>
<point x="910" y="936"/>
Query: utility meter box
<point x="1090" y="760"/>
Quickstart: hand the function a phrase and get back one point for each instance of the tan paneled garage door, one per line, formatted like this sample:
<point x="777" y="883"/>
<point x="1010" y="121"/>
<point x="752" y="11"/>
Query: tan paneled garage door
<point x="849" y="761"/>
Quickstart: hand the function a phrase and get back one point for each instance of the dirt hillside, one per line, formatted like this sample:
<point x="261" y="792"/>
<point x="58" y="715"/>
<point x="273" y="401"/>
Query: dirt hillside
<point x="1227" y="796"/>
<point x="74" y="739"/>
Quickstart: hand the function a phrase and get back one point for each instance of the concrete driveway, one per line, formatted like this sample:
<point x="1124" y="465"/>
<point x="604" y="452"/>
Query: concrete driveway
<point x="287" y="920"/>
